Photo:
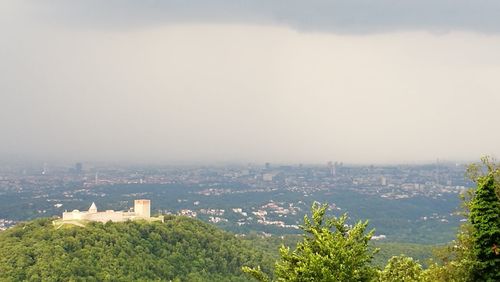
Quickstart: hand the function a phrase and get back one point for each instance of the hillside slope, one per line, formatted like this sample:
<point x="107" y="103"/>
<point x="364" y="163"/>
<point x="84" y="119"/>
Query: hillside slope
<point x="181" y="249"/>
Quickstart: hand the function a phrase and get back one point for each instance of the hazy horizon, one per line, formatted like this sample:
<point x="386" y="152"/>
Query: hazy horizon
<point x="50" y="162"/>
<point x="266" y="81"/>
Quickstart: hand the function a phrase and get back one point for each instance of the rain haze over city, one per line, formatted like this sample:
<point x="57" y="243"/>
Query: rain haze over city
<point x="169" y="82"/>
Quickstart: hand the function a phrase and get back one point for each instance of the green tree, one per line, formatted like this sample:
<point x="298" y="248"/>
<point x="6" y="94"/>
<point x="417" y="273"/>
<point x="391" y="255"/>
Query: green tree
<point x="485" y="219"/>
<point x="474" y="255"/>
<point x="330" y="251"/>
<point x="454" y="261"/>
<point x="401" y="269"/>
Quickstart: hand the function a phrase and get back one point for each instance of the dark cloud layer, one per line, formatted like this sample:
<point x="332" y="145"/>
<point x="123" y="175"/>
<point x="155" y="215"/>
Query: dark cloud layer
<point x="340" y="16"/>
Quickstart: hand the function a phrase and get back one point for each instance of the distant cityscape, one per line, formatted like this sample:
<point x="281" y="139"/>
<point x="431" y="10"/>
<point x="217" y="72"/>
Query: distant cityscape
<point x="239" y="197"/>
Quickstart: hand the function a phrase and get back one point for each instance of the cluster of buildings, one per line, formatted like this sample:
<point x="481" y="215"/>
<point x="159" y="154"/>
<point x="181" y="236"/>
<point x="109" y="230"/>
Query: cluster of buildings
<point x="278" y="211"/>
<point x="6" y="223"/>
<point x="47" y="190"/>
<point x="412" y="180"/>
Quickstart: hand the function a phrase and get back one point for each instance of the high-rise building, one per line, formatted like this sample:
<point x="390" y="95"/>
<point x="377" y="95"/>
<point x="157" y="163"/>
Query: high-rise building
<point x="78" y="168"/>
<point x="383" y="181"/>
<point x="332" y="168"/>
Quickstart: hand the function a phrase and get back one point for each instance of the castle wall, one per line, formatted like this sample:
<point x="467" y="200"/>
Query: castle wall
<point x="142" y="210"/>
<point x="106" y="216"/>
<point x="73" y="215"/>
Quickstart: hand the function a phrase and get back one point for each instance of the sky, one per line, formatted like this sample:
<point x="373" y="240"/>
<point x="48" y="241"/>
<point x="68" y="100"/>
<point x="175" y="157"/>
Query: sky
<point x="358" y="81"/>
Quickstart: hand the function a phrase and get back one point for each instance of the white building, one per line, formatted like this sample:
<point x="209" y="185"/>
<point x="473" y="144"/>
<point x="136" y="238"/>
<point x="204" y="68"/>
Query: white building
<point x="142" y="210"/>
<point x="267" y="177"/>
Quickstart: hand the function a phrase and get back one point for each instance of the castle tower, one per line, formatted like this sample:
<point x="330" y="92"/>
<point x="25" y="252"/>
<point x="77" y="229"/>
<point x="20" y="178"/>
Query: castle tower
<point x="142" y="208"/>
<point x="93" y="208"/>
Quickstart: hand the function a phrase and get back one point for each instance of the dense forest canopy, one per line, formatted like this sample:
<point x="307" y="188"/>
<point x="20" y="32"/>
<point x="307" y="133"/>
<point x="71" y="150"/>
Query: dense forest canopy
<point x="180" y="249"/>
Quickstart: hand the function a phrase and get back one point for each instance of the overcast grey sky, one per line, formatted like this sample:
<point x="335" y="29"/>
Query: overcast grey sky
<point x="282" y="81"/>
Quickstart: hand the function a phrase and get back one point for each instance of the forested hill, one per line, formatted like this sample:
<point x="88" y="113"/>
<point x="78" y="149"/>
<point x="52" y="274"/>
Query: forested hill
<point x="181" y="249"/>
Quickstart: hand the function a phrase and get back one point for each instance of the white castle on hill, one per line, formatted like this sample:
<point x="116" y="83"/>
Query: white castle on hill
<point x="142" y="210"/>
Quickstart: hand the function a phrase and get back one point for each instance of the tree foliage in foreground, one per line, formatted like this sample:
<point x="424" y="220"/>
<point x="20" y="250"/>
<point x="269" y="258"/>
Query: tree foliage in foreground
<point x="474" y="255"/>
<point x="330" y="251"/>
<point x="401" y="269"/>
<point x="485" y="219"/>
<point x="181" y="249"/>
